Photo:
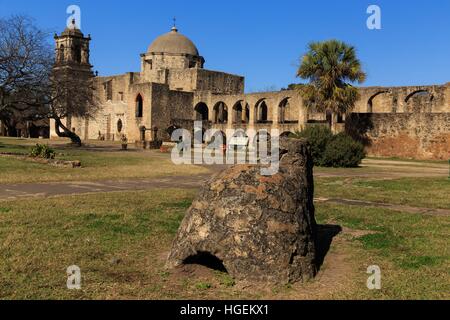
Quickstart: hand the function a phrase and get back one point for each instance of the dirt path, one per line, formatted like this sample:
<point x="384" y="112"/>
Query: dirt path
<point x="394" y="207"/>
<point x="390" y="169"/>
<point x="35" y="190"/>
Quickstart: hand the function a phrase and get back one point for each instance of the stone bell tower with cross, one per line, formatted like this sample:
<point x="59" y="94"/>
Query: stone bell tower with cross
<point x="72" y="51"/>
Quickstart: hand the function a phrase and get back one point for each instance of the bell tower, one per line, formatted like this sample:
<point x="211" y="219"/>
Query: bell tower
<point x="72" y="51"/>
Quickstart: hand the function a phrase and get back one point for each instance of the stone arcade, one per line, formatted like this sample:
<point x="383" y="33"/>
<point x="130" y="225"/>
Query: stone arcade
<point x="173" y="89"/>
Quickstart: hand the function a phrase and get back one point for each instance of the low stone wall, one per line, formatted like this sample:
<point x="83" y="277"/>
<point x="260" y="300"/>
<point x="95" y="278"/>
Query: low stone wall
<point x="405" y="135"/>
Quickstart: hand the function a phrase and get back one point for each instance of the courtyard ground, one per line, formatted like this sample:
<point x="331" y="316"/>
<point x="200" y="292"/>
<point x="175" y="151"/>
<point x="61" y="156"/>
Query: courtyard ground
<point x="118" y="228"/>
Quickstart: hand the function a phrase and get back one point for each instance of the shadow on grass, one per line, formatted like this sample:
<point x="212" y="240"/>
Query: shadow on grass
<point x="325" y="236"/>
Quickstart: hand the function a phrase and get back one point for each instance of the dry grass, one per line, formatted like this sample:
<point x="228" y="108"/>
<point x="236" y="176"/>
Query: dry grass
<point x="120" y="242"/>
<point x="100" y="162"/>
<point x="418" y="192"/>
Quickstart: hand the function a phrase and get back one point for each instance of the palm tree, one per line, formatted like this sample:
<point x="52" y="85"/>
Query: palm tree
<point x="331" y="68"/>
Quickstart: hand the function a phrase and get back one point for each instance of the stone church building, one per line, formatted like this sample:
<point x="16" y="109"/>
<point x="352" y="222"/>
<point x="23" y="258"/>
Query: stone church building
<point x="173" y="88"/>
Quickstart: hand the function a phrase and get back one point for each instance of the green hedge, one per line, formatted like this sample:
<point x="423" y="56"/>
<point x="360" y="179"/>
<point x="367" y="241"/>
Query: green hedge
<point x="330" y="150"/>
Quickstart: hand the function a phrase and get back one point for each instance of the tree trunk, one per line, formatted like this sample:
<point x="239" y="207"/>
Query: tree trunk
<point x="66" y="133"/>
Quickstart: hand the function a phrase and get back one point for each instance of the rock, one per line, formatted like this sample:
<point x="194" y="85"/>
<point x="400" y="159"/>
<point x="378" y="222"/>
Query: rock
<point x="262" y="228"/>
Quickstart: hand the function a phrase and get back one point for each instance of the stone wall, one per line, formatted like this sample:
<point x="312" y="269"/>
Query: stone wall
<point x="167" y="106"/>
<point x="219" y="82"/>
<point x="405" y="135"/>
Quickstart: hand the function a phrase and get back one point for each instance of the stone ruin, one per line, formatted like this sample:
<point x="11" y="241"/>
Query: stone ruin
<point x="257" y="228"/>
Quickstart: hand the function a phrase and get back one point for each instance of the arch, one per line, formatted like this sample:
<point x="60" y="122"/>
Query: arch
<point x="119" y="125"/>
<point x="247" y="114"/>
<point x="61" y="53"/>
<point x="237" y="113"/>
<point x="220" y="113"/>
<point x="76" y="49"/>
<point x="262" y="139"/>
<point x="201" y="112"/>
<point x="419" y="101"/>
<point x="206" y="259"/>
<point x="370" y="103"/>
<point x="286" y="134"/>
<point x="283" y="111"/>
<point x="212" y="139"/>
<point x="262" y="112"/>
<point x="139" y="106"/>
<point x="421" y="92"/>
<point x="241" y="115"/>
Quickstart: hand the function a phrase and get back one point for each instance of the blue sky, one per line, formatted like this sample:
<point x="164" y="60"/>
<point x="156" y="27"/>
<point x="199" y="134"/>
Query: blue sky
<point x="263" y="40"/>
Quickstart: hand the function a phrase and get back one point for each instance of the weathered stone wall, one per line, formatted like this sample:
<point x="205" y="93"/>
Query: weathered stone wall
<point x="406" y="135"/>
<point x="167" y="106"/>
<point x="219" y="82"/>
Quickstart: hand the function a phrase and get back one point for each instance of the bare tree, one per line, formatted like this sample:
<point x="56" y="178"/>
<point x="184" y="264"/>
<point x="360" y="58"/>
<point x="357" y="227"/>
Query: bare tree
<point x="28" y="83"/>
<point x="25" y="63"/>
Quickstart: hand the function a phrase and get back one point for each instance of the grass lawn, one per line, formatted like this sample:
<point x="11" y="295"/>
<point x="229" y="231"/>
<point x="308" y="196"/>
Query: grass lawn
<point x="97" y="164"/>
<point x="121" y="240"/>
<point x="418" y="192"/>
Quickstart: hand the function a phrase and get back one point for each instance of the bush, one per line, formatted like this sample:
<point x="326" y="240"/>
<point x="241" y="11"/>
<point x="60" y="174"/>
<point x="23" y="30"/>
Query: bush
<point x="343" y="152"/>
<point x="318" y="138"/>
<point x="42" y="151"/>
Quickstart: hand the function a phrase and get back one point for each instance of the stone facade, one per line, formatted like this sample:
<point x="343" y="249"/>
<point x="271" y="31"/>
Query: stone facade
<point x="174" y="88"/>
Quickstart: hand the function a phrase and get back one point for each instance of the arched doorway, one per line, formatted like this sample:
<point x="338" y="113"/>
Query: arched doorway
<point x="201" y="112"/>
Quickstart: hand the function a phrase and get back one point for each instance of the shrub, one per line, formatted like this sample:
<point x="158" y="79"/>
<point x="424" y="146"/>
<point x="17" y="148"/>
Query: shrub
<point x="343" y="152"/>
<point x="42" y="151"/>
<point x="318" y="138"/>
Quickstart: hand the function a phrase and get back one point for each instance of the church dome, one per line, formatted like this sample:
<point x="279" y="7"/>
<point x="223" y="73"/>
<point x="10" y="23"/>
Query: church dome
<point x="173" y="42"/>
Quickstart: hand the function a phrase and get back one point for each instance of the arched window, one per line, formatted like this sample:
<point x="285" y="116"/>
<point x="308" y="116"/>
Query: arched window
<point x="262" y="112"/>
<point x="220" y="113"/>
<point x="283" y="111"/>
<point x="61" y="53"/>
<point x="247" y="114"/>
<point x="237" y="113"/>
<point x="139" y="106"/>
<point x="119" y="126"/>
<point x="77" y="53"/>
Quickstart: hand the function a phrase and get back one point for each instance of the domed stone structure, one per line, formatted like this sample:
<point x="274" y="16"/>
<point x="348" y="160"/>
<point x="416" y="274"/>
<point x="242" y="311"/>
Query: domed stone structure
<point x="173" y="43"/>
<point x="171" y="51"/>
